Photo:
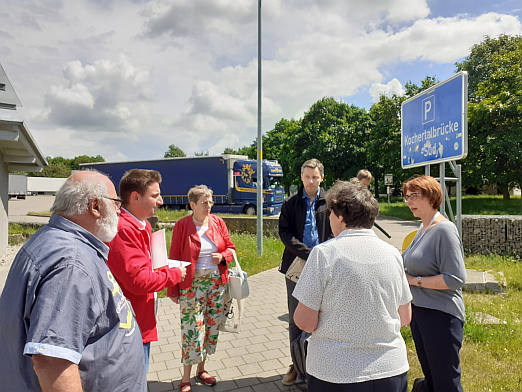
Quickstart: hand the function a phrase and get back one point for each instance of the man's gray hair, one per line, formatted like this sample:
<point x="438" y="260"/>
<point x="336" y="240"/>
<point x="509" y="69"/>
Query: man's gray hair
<point x="312" y="164"/>
<point x="72" y="199"/>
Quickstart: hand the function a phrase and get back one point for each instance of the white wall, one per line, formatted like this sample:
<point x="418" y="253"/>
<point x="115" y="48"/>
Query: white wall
<point x="4" y="178"/>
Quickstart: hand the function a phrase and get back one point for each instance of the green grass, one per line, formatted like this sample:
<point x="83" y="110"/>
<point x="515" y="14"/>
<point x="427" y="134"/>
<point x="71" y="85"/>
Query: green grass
<point x="246" y="245"/>
<point x="168" y="215"/>
<point x="39" y="213"/>
<point x="471" y="205"/>
<point x="491" y="354"/>
<point x="15" y="228"/>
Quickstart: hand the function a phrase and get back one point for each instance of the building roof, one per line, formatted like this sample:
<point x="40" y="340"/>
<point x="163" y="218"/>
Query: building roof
<point x="18" y="149"/>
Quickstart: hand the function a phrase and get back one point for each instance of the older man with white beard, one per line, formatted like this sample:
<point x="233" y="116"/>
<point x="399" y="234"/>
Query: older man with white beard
<point x="65" y="324"/>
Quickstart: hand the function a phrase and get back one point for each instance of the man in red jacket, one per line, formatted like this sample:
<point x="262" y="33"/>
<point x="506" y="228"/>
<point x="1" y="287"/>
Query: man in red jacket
<point x="130" y="258"/>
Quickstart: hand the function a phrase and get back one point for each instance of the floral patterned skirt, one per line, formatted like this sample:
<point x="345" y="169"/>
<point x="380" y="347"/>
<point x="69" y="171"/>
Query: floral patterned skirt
<point x="201" y="308"/>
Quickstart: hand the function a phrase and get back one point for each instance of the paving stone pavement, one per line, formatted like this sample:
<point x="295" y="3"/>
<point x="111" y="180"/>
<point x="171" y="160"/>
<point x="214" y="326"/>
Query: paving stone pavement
<point x="253" y="360"/>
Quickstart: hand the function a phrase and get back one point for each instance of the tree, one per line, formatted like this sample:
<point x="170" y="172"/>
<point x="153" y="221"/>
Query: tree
<point x="412" y="89"/>
<point x="62" y="167"/>
<point x="384" y="144"/>
<point x="494" y="126"/>
<point x="335" y="133"/>
<point x="174" y="152"/>
<point x="250" y="151"/>
<point x="75" y="163"/>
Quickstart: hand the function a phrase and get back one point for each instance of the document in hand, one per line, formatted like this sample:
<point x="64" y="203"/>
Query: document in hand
<point x="158" y="246"/>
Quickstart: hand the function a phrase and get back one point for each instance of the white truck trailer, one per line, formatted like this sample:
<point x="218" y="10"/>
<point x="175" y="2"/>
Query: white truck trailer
<point x="17" y="186"/>
<point x="44" y="185"/>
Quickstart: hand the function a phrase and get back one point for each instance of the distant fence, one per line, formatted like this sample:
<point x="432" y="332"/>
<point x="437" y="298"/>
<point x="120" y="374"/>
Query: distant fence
<point x="486" y="234"/>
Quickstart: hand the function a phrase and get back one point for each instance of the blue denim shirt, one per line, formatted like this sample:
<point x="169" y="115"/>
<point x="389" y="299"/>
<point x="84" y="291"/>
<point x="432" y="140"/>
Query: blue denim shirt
<point x="310" y="236"/>
<point x="61" y="300"/>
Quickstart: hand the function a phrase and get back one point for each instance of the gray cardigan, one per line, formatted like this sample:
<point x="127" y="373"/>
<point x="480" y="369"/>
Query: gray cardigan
<point x="438" y="251"/>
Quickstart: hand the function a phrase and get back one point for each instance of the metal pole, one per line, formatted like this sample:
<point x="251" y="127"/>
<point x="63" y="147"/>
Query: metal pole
<point x="458" y="174"/>
<point x="259" y="141"/>
<point x="442" y="180"/>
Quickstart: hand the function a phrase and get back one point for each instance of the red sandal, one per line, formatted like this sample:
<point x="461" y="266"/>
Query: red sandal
<point x="183" y="385"/>
<point x="207" y="380"/>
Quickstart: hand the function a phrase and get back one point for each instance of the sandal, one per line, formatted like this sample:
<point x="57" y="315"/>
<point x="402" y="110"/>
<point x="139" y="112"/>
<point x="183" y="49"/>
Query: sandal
<point x="207" y="380"/>
<point x="183" y="385"/>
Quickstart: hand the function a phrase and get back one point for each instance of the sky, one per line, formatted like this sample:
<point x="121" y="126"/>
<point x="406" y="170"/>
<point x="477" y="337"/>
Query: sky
<point x="124" y="79"/>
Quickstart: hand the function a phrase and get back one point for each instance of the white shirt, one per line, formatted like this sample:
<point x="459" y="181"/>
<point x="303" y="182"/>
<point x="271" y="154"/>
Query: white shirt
<point x="207" y="248"/>
<point x="357" y="283"/>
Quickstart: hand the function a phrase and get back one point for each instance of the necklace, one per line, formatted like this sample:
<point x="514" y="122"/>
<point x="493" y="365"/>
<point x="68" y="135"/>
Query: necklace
<point x="200" y="223"/>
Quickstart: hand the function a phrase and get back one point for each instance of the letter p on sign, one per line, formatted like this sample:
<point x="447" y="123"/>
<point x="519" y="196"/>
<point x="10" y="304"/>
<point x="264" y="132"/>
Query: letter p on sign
<point x="428" y="109"/>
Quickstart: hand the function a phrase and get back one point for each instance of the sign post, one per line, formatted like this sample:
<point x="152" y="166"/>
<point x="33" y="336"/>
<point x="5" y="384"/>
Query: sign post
<point x="388" y="181"/>
<point x="434" y="129"/>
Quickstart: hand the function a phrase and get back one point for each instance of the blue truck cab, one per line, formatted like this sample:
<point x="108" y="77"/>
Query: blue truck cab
<point x="245" y="186"/>
<point x="232" y="178"/>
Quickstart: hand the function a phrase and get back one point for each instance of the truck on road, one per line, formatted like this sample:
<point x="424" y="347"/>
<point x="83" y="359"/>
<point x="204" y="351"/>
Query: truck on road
<point x="44" y="185"/>
<point x="17" y="187"/>
<point x="232" y="178"/>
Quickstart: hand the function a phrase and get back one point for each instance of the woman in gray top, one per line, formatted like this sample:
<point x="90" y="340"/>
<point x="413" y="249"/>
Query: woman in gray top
<point x="434" y="264"/>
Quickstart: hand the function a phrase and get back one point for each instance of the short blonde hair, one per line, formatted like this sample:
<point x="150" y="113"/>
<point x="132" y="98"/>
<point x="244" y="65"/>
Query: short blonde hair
<point x="197" y="191"/>
<point x="363" y="173"/>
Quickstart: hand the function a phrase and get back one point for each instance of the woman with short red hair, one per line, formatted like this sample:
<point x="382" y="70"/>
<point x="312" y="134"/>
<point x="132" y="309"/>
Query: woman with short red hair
<point x="434" y="264"/>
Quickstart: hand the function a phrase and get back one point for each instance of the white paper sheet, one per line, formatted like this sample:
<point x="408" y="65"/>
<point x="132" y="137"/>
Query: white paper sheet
<point x="158" y="246"/>
<point x="177" y="263"/>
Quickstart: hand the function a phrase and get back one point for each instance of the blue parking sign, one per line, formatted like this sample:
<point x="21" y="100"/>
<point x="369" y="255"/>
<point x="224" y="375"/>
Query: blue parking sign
<point x="434" y="124"/>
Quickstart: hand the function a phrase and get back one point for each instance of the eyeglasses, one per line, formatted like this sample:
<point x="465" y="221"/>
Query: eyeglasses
<point x="411" y="197"/>
<point x="118" y="202"/>
<point x="208" y="202"/>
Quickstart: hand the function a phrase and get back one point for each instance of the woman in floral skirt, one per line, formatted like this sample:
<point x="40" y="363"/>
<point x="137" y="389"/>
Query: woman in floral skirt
<point x="203" y="240"/>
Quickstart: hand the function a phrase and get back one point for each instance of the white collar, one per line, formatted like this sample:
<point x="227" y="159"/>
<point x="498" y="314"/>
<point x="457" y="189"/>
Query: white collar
<point x="142" y="223"/>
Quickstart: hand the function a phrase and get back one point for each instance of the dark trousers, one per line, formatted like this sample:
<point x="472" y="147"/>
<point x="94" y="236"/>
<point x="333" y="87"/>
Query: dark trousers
<point x="438" y="339"/>
<point x="390" y="384"/>
<point x="293" y="330"/>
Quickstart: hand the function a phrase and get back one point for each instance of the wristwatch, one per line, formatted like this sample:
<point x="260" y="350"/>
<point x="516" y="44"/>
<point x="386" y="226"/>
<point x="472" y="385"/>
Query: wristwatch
<point x="419" y="280"/>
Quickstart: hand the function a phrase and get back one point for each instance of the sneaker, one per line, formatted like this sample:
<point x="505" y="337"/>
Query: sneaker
<point x="290" y="376"/>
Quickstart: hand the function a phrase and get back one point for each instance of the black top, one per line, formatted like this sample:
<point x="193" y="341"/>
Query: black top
<point x="291" y="226"/>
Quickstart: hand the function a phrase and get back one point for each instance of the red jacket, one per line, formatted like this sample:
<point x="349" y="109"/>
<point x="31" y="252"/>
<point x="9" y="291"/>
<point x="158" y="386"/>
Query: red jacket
<point x="131" y="264"/>
<point x="186" y="246"/>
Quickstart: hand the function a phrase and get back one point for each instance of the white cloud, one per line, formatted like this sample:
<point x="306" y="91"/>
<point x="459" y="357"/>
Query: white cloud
<point x="197" y="18"/>
<point x="393" y="87"/>
<point x="406" y="10"/>
<point x="101" y="96"/>
<point x="444" y="40"/>
<point x="184" y="72"/>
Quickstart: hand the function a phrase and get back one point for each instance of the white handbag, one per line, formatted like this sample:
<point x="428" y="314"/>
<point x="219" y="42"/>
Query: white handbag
<point x="237" y="280"/>
<point x="231" y="318"/>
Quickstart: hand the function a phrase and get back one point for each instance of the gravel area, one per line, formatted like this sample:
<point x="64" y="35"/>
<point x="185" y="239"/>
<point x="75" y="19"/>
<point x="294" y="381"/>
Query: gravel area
<point x="9" y="255"/>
